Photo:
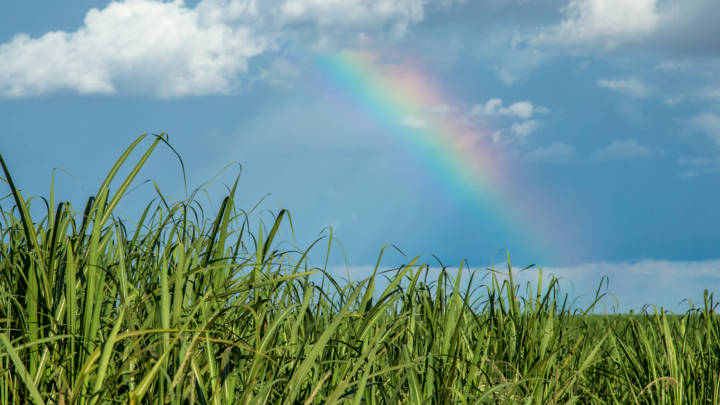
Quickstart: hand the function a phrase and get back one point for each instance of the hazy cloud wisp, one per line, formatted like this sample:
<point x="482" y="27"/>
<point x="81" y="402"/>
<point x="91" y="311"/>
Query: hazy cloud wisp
<point x="557" y="152"/>
<point x="707" y="123"/>
<point x="631" y="87"/>
<point x="622" y="150"/>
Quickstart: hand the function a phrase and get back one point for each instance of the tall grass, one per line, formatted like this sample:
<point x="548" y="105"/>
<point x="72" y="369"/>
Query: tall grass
<point x="181" y="308"/>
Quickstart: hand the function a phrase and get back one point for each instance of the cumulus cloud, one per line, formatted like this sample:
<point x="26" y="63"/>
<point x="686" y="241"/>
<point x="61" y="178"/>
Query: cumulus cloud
<point x="707" y="123"/>
<point x="143" y="44"/>
<point x="630" y="87"/>
<point x="521" y="109"/>
<point x="621" y="150"/>
<point x="168" y="49"/>
<point x="604" y="22"/>
<point x="558" y="152"/>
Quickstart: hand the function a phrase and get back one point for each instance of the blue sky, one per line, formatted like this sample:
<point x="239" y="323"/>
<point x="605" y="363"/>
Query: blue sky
<point x="607" y="113"/>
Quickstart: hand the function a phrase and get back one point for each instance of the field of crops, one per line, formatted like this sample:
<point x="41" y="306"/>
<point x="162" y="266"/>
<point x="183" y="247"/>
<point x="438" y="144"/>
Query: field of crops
<point x="198" y="307"/>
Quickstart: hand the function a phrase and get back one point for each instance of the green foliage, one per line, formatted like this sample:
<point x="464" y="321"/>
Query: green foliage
<point x="183" y="309"/>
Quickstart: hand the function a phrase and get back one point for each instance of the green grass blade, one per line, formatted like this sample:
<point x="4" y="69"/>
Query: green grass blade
<point x="35" y="396"/>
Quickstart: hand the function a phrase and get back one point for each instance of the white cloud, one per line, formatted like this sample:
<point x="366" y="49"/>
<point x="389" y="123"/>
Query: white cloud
<point x="516" y="134"/>
<point x="521" y="109"/>
<point x="605" y="22"/>
<point x="542" y="110"/>
<point x="524" y="128"/>
<point x="519" y="130"/>
<point x="627" y="149"/>
<point x="163" y="47"/>
<point x="558" y="152"/>
<point x="707" y="123"/>
<point x="631" y="87"/>
<point x="685" y="28"/>
<point x="168" y="49"/>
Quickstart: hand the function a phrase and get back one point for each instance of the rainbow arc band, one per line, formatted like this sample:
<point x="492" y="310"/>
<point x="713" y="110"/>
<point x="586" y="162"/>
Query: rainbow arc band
<point x="458" y="155"/>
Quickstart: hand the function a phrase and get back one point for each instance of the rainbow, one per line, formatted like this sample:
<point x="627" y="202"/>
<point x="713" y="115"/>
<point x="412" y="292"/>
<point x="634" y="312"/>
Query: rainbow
<point x="459" y="154"/>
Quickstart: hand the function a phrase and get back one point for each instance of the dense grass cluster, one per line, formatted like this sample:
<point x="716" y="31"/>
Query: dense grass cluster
<point x="181" y="308"/>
